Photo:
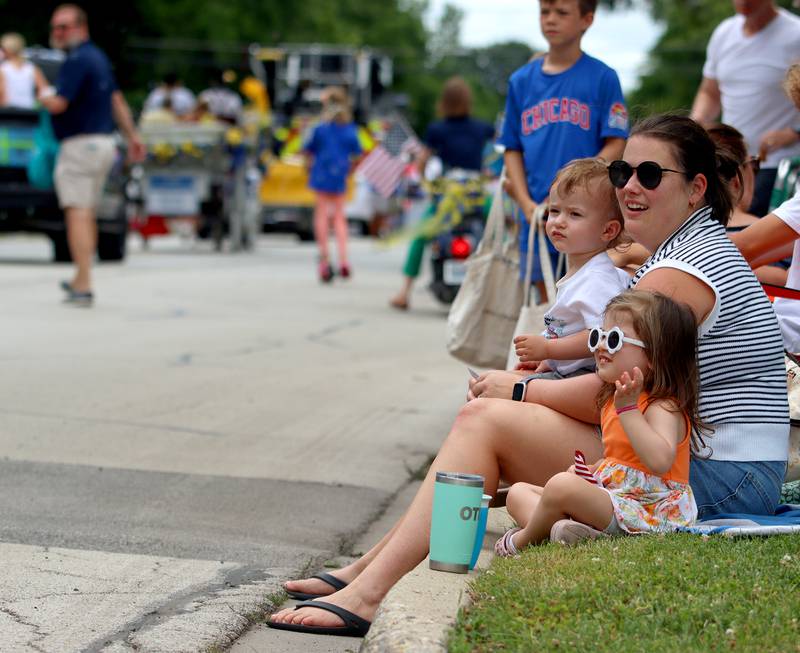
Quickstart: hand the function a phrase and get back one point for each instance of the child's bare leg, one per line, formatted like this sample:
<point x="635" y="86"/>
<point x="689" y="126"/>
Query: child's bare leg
<point x="340" y="228"/>
<point x="522" y="501"/>
<point x="321" y="224"/>
<point x="566" y="495"/>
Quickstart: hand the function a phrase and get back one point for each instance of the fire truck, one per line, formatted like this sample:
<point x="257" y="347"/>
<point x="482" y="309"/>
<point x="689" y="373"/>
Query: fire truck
<point x="295" y="76"/>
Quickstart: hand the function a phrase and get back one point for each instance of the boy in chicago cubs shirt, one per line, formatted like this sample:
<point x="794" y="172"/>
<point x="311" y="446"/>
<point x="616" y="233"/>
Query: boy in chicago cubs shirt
<point x="562" y="106"/>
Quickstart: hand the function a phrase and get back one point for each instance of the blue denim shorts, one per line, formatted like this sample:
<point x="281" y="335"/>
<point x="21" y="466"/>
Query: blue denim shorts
<point x="723" y="486"/>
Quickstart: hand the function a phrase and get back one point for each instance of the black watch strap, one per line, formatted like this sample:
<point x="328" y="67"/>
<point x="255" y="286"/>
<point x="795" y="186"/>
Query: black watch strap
<point x="521" y="387"/>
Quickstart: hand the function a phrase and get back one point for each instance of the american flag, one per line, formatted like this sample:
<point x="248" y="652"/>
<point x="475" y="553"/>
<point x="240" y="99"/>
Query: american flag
<point x="581" y="469"/>
<point x="383" y="166"/>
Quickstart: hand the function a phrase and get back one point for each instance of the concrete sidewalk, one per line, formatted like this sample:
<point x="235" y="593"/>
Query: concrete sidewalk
<point x="416" y="616"/>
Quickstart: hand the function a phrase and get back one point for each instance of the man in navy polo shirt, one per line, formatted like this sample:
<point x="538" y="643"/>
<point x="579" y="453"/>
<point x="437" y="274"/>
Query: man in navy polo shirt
<point x="85" y="105"/>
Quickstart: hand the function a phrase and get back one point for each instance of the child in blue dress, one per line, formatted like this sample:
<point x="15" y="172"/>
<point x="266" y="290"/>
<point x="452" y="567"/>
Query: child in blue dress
<point x="332" y="146"/>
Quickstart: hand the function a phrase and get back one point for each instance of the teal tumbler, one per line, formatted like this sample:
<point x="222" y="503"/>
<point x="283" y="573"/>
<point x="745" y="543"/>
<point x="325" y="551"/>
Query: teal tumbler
<point x="454" y="520"/>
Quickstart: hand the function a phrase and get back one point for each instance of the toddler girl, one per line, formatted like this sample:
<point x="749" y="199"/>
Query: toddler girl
<point x="646" y="354"/>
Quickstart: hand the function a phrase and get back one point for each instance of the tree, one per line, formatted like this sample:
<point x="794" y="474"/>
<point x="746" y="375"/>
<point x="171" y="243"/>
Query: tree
<point x="674" y="66"/>
<point x="486" y="69"/>
<point x="445" y="40"/>
<point x="493" y="66"/>
<point x="147" y="38"/>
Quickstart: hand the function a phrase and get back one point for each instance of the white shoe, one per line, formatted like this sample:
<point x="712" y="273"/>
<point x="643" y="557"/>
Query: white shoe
<point x="567" y="531"/>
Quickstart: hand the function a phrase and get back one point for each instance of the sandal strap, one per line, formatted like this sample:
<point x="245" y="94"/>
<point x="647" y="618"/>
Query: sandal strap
<point x="350" y="619"/>
<point x="331" y="580"/>
<point x="508" y="541"/>
<point x="505" y="545"/>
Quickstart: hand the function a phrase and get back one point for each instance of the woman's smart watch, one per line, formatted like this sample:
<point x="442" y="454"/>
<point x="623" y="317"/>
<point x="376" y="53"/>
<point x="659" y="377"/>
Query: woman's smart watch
<point x="521" y="387"/>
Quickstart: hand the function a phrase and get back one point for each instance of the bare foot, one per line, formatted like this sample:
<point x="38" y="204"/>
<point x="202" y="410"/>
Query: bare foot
<point x="316" y="585"/>
<point x="399" y="302"/>
<point x="346" y="598"/>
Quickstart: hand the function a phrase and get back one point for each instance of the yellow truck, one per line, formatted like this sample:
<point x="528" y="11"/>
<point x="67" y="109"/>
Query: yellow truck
<point x="295" y="76"/>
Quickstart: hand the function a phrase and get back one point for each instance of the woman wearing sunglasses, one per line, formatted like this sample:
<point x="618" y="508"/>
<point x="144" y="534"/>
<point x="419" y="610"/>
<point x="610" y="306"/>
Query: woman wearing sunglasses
<point x="676" y="205"/>
<point x="741" y="178"/>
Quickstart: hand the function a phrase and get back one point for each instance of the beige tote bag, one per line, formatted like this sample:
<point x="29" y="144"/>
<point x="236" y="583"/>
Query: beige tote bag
<point x="485" y="310"/>
<point x="531" y="317"/>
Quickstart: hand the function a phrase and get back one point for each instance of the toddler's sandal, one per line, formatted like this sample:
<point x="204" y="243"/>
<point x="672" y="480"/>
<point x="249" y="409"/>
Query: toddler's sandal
<point x="504" y="547"/>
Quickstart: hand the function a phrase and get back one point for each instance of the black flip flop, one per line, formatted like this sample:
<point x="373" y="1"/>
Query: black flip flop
<point x="354" y="626"/>
<point x="334" y="582"/>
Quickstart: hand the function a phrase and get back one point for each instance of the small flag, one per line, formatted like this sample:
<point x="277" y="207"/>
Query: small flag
<point x="582" y="469"/>
<point x="382" y="170"/>
<point x="383" y="167"/>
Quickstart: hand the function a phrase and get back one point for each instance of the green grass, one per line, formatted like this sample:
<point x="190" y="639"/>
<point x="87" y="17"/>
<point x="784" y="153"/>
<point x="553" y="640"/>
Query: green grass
<point x="657" y="594"/>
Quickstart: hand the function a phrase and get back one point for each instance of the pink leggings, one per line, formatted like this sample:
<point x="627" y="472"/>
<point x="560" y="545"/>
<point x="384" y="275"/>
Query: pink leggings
<point x="327" y="204"/>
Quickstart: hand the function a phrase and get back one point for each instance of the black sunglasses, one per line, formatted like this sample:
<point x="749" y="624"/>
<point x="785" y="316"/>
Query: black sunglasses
<point x="649" y="173"/>
<point x="755" y="163"/>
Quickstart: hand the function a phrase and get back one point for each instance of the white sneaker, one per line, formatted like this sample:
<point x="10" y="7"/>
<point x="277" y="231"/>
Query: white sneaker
<point x="567" y="531"/>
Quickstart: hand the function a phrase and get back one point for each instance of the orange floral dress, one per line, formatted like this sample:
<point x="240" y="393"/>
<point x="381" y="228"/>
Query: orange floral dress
<point x="644" y="502"/>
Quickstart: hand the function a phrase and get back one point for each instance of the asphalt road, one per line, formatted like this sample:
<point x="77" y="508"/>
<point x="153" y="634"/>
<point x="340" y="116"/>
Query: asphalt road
<point x="216" y="423"/>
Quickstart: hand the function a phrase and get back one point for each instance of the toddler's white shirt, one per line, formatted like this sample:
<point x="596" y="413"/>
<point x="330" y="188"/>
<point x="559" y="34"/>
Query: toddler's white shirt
<point x="580" y="302"/>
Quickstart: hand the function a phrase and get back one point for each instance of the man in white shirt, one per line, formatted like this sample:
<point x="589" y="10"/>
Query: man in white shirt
<point x="223" y="103"/>
<point x="746" y="61"/>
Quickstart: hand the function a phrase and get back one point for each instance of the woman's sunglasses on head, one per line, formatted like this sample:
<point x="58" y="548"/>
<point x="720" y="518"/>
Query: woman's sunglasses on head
<point x="614" y="338"/>
<point x="649" y="173"/>
<point x="755" y="163"/>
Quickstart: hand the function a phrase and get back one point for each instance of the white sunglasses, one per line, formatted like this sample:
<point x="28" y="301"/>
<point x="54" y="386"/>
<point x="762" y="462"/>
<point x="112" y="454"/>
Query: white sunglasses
<point x="614" y="338"/>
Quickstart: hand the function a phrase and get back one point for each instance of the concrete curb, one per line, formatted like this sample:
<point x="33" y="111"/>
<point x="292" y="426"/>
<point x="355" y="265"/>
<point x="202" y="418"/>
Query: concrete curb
<point x="418" y="613"/>
<point x="415" y="617"/>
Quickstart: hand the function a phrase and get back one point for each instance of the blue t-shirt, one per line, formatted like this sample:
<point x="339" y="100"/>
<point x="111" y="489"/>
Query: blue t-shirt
<point x="87" y="82"/>
<point x="459" y="142"/>
<point x="332" y="145"/>
<point x="555" y="118"/>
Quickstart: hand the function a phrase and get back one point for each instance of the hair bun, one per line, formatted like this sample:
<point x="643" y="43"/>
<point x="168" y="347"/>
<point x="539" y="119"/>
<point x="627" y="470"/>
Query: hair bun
<point x="727" y="164"/>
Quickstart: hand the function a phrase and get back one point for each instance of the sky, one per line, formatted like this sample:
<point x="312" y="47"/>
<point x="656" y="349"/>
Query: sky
<point x="620" y="38"/>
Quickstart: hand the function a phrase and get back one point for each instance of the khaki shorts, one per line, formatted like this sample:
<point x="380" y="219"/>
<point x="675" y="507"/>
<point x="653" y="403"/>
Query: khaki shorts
<point x="82" y="168"/>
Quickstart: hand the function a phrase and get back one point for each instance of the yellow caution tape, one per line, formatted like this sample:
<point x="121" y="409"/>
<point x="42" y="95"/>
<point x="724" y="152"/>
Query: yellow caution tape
<point x="457" y="198"/>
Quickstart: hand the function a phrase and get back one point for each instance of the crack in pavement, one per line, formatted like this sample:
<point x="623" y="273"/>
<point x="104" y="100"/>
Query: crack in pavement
<point x="204" y="357"/>
<point x="74" y="592"/>
<point x="18" y="618"/>
<point x="115" y="422"/>
<point x="318" y="336"/>
<point x="186" y="602"/>
<point x="55" y="572"/>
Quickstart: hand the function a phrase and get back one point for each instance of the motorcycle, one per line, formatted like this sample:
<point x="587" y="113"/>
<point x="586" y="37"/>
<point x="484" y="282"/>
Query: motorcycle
<point x="456" y="229"/>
